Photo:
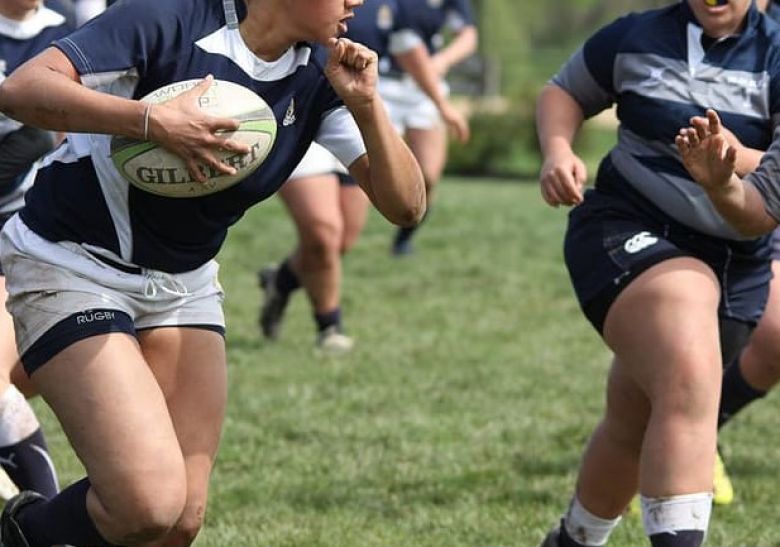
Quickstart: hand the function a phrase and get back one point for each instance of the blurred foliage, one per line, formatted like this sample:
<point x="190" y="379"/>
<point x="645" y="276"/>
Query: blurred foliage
<point x="522" y="45"/>
<point x="527" y="40"/>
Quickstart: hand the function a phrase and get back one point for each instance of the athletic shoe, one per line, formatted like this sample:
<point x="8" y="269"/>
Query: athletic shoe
<point x="722" y="489"/>
<point x="10" y="533"/>
<point x="551" y="539"/>
<point x="332" y="341"/>
<point x="274" y="303"/>
<point x="7" y="487"/>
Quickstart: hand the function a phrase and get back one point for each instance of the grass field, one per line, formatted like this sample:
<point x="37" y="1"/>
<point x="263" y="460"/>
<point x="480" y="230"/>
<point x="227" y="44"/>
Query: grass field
<point x="460" y="417"/>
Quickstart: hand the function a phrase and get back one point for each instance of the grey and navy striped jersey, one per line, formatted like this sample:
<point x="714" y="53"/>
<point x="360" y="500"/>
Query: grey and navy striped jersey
<point x="660" y="70"/>
<point x="137" y="46"/>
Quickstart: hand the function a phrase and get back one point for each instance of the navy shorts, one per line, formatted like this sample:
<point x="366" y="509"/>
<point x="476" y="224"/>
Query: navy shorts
<point x="616" y="234"/>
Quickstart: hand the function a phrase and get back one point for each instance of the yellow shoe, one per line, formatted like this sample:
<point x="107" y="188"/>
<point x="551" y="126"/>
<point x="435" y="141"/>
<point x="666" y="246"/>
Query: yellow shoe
<point x="722" y="489"/>
<point x="634" y="508"/>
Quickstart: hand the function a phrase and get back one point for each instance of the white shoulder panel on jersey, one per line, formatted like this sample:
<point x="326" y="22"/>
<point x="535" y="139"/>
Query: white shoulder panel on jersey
<point x="29" y="28"/>
<point x="340" y="135"/>
<point x="228" y="42"/>
<point x="404" y="40"/>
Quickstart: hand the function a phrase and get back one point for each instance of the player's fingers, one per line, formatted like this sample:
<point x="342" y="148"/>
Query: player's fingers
<point x="731" y="156"/>
<point x="195" y="170"/>
<point x="550" y="195"/>
<point x="336" y="51"/>
<point x="702" y="128"/>
<point x="229" y="145"/>
<point x="202" y="86"/>
<point x="714" y="121"/>
<point x="209" y="160"/>
<point x="546" y="196"/>
<point x="682" y="144"/>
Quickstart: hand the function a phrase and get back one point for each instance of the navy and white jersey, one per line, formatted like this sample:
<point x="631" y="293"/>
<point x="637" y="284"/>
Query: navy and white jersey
<point x="19" y="41"/>
<point x="432" y="17"/>
<point x="382" y="25"/>
<point x="135" y="47"/>
<point x="660" y="70"/>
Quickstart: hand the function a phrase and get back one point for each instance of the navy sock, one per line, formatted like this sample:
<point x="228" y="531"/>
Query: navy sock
<point x="736" y="393"/>
<point x="680" y="538"/>
<point x="286" y="280"/>
<point x="565" y="540"/>
<point x="328" y="319"/>
<point x="405" y="234"/>
<point x="62" y="520"/>
<point x="28" y="464"/>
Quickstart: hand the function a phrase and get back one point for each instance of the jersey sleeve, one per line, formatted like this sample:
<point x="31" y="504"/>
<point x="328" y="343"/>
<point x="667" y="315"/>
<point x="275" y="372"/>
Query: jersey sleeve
<point x="128" y="38"/>
<point x="339" y="133"/>
<point x="459" y="14"/>
<point x="404" y="37"/>
<point x="588" y="74"/>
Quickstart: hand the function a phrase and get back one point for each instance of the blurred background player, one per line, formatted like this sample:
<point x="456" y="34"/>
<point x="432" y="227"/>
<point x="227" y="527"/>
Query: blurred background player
<point x="671" y="287"/>
<point x="26" y="28"/>
<point x="411" y="111"/>
<point x="328" y="208"/>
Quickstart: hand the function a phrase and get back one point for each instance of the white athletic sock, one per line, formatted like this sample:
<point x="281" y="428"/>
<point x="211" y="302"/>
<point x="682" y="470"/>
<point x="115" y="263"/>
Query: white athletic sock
<point x="676" y="513"/>
<point x="17" y="419"/>
<point x="586" y="528"/>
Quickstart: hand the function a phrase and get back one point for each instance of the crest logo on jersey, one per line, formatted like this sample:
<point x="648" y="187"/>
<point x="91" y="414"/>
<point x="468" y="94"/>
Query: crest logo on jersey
<point x="435" y="3"/>
<point x="384" y="17"/>
<point x="289" y="116"/>
<point x="639" y="242"/>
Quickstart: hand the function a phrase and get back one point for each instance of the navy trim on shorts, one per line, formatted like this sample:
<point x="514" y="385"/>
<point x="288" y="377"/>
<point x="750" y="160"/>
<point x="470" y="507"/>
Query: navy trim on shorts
<point x="72" y="329"/>
<point x="596" y="310"/>
<point x="219" y="329"/>
<point x="346" y="179"/>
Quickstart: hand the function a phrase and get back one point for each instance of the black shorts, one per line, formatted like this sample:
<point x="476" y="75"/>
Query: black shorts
<point x="616" y="234"/>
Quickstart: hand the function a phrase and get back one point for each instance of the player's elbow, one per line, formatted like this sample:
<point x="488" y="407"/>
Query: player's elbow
<point x="10" y="96"/>
<point x="412" y="215"/>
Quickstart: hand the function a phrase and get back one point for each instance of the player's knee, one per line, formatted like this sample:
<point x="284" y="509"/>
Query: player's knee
<point x="150" y="509"/>
<point x="324" y="243"/>
<point x="187" y="528"/>
<point x="690" y="394"/>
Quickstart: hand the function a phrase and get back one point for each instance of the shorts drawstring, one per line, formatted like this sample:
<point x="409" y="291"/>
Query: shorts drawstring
<point x="156" y="281"/>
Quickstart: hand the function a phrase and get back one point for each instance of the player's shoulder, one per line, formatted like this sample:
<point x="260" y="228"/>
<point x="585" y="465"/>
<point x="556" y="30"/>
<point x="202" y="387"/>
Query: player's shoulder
<point x="191" y="12"/>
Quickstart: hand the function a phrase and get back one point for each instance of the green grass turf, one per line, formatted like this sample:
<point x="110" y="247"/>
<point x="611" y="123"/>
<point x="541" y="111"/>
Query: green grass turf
<point x="461" y="415"/>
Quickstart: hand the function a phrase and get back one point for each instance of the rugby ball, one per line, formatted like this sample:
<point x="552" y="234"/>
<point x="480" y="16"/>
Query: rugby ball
<point x="153" y="169"/>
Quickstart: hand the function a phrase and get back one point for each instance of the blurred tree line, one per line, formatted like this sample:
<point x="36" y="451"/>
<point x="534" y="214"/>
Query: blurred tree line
<point x="522" y="44"/>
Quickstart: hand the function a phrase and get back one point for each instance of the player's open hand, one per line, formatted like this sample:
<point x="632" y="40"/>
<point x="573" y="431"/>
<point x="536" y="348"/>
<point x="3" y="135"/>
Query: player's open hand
<point x="352" y="71"/>
<point x="456" y="123"/>
<point x="707" y="154"/>
<point x="180" y="126"/>
<point x="562" y="178"/>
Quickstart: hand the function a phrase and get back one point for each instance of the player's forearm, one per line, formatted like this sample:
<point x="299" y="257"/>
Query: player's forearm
<point x="558" y="119"/>
<point x="463" y="45"/>
<point x="38" y="95"/>
<point x="417" y="63"/>
<point x="747" y="160"/>
<point x="742" y="206"/>
<point x="395" y="183"/>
